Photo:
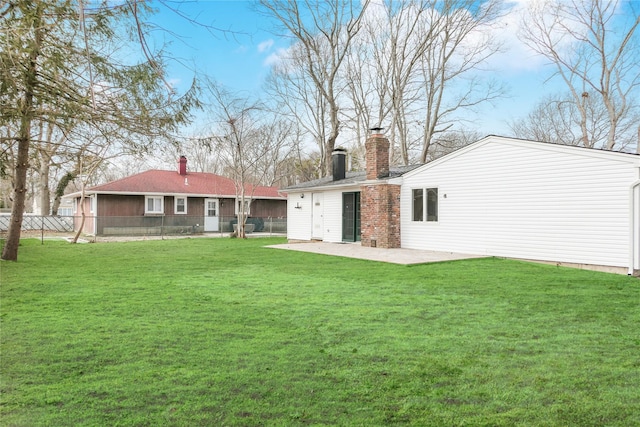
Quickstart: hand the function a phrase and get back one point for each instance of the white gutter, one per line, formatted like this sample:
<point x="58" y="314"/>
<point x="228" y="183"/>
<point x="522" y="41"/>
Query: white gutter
<point x="632" y="226"/>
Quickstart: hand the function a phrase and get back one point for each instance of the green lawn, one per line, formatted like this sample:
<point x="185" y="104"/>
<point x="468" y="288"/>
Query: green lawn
<point x="225" y="332"/>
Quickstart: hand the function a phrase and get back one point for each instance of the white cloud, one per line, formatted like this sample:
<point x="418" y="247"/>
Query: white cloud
<point x="265" y="45"/>
<point x="276" y="57"/>
<point x="516" y="55"/>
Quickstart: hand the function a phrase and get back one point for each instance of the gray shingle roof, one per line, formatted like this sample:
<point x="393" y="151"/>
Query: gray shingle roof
<point x="350" y="178"/>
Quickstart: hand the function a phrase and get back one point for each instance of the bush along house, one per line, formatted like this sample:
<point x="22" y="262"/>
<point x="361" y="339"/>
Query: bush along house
<point x="175" y="202"/>
<point x="499" y="196"/>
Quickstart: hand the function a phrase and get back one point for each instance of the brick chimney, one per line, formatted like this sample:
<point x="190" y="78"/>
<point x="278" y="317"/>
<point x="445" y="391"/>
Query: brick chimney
<point x="380" y="200"/>
<point x="377" y="155"/>
<point x="182" y="166"/>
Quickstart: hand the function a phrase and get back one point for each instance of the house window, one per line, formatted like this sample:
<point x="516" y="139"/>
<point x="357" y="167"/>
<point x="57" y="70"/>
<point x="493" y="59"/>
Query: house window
<point x="424" y="200"/>
<point x="181" y="205"/>
<point x="211" y="207"/>
<point x="65" y="211"/>
<point x="432" y="204"/>
<point x="153" y="205"/>
<point x="247" y="205"/>
<point x="418" y="204"/>
<point x="92" y="203"/>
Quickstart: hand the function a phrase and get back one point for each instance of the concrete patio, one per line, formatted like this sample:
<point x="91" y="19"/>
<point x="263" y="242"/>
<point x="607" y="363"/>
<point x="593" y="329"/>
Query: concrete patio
<point x="395" y="256"/>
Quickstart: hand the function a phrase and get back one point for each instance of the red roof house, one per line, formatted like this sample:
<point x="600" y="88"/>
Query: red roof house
<point x="160" y="201"/>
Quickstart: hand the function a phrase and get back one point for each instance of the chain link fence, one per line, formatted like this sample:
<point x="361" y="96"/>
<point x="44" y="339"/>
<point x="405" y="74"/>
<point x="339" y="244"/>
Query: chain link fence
<point x="146" y="226"/>
<point x="40" y="222"/>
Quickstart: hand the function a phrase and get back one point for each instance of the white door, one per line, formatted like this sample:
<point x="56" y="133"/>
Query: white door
<point x="211" y="215"/>
<point x="317" y="213"/>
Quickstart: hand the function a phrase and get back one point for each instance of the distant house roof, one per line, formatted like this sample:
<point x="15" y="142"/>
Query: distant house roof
<point x="350" y="178"/>
<point x="199" y="184"/>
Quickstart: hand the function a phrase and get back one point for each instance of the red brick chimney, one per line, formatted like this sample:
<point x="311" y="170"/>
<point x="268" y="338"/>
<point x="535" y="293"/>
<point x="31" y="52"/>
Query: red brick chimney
<point x="380" y="201"/>
<point x="377" y="155"/>
<point x="182" y="165"/>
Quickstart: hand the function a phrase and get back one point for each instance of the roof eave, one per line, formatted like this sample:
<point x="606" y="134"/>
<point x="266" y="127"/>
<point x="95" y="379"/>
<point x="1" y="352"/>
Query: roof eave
<point x="152" y="193"/>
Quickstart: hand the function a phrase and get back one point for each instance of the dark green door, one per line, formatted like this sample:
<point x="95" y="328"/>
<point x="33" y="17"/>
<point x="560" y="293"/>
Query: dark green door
<point x="351" y="217"/>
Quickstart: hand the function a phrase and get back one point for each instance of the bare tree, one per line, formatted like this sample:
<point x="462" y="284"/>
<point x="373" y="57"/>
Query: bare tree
<point x="451" y="141"/>
<point x="463" y="42"/>
<point x="297" y="99"/>
<point x="416" y="69"/>
<point x="557" y="119"/>
<point x="281" y="136"/>
<point x="593" y="46"/>
<point x="299" y="167"/>
<point x="383" y="74"/>
<point x="249" y="144"/>
<point x="323" y="32"/>
<point x="87" y="164"/>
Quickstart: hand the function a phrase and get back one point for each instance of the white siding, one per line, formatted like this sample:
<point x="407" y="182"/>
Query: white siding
<point x="333" y="216"/>
<point x="300" y="220"/>
<point x="299" y="216"/>
<point x="526" y="200"/>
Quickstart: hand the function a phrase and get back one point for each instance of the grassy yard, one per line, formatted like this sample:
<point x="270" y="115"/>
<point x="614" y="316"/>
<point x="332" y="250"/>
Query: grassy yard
<point x="222" y="332"/>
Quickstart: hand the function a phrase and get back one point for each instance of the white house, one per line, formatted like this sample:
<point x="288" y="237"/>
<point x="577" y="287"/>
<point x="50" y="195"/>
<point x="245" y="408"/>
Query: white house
<point x="532" y="200"/>
<point x="498" y="196"/>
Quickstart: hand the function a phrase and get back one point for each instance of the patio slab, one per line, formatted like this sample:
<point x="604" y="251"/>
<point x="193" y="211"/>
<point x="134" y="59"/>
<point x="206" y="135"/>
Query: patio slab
<point x="356" y="250"/>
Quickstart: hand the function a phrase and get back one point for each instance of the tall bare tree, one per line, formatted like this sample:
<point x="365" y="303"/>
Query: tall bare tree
<point x="249" y="143"/>
<point x="463" y="42"/>
<point x="323" y="32"/>
<point x="594" y="48"/>
<point x="383" y="76"/>
<point x="416" y="69"/>
<point x="299" y="101"/>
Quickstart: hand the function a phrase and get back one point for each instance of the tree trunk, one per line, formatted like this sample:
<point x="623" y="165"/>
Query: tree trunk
<point x="10" y="250"/>
<point x="83" y="217"/>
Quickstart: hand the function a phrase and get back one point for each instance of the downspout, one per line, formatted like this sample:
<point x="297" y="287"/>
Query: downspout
<point x="632" y="226"/>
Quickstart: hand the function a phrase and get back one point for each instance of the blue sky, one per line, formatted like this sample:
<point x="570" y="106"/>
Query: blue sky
<point x="233" y="53"/>
<point x="238" y="58"/>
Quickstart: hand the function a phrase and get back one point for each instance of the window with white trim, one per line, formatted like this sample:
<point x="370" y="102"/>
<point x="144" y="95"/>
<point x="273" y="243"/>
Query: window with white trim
<point x="424" y="204"/>
<point x="247" y="206"/>
<point x="180" y="205"/>
<point x="417" y="209"/>
<point x="432" y="204"/>
<point x="153" y="205"/>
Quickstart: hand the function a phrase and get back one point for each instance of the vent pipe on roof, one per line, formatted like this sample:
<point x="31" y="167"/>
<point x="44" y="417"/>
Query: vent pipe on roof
<point x="182" y="165"/>
<point x="339" y="157"/>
